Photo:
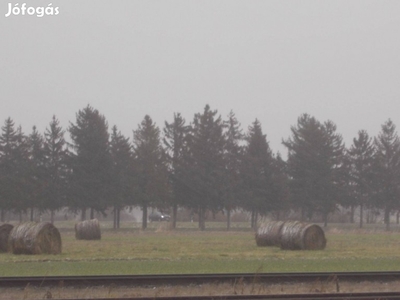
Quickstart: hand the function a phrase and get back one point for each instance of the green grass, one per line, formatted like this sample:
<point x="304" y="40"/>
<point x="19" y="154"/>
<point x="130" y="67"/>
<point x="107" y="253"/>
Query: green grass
<point x="186" y="250"/>
<point x="52" y="268"/>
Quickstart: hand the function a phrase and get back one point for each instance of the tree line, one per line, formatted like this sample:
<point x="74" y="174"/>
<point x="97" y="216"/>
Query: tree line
<point x="207" y="165"/>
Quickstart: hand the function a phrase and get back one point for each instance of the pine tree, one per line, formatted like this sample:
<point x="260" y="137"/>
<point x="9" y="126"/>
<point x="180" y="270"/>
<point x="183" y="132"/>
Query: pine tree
<point x="206" y="144"/>
<point x="334" y="170"/>
<point x="387" y="168"/>
<point x="303" y="149"/>
<point x="233" y="156"/>
<point x="57" y="169"/>
<point x="175" y="142"/>
<point x="8" y="182"/>
<point x="21" y="174"/>
<point x="14" y="168"/>
<point x="150" y="168"/>
<point x="280" y="185"/>
<point x="315" y="165"/>
<point x="121" y="153"/>
<point x="361" y="155"/>
<point x="91" y="162"/>
<point x="37" y="171"/>
<point x="258" y="173"/>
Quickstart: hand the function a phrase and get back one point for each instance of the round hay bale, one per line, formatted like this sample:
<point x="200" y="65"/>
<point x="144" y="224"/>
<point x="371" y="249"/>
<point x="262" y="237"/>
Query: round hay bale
<point x="302" y="236"/>
<point x="5" y="230"/>
<point x="88" y="230"/>
<point x="269" y="234"/>
<point x="35" y="238"/>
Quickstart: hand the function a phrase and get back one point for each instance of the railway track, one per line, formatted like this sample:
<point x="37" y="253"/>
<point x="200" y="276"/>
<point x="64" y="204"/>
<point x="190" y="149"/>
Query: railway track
<point x="186" y="279"/>
<point x="344" y="296"/>
<point x="153" y="281"/>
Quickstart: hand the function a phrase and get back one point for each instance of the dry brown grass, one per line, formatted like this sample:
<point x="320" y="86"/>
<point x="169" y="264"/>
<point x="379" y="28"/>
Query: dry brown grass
<point x="239" y="288"/>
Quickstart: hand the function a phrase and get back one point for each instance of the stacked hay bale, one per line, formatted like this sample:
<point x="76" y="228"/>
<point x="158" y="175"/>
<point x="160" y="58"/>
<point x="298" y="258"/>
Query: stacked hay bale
<point x="88" y="230"/>
<point x="291" y="235"/>
<point x="35" y="238"/>
<point x="5" y="230"/>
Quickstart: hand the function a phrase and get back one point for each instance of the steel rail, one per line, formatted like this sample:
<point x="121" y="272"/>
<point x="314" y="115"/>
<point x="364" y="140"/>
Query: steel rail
<point x="331" y="296"/>
<point x="185" y="279"/>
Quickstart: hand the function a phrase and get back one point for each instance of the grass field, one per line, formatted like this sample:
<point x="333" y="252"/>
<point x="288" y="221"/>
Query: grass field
<point x="187" y="250"/>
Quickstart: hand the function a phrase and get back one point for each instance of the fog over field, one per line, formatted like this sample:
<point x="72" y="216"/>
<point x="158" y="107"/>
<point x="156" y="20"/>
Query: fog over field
<point x="271" y="60"/>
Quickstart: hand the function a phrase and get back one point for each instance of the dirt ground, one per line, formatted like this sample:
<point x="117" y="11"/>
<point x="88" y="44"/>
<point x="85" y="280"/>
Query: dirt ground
<point x="238" y="288"/>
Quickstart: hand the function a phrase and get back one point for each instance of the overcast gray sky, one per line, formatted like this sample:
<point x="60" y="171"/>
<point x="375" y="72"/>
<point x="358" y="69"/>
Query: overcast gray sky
<point x="271" y="60"/>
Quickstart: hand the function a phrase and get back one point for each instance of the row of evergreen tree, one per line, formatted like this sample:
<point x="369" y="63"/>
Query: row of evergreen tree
<point x="208" y="165"/>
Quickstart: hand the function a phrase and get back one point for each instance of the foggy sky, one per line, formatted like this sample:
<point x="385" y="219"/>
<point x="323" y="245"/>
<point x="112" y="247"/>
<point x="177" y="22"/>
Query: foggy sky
<point x="270" y="60"/>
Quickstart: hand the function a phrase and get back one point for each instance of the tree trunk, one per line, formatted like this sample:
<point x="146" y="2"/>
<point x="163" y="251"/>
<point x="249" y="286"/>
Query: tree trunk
<point x="398" y="217"/>
<point x="174" y="215"/>
<point x="387" y="218"/>
<point x="20" y="217"/>
<point x="202" y="223"/>
<point x="2" y="215"/>
<point x="352" y="214"/>
<point x="228" y="222"/>
<point x="361" y="215"/>
<point x="91" y="213"/>
<point x="118" y="217"/>
<point x="200" y="217"/>
<point x="256" y="220"/>
<point x="52" y="216"/>
<point x="31" y="216"/>
<point x="115" y="217"/>
<point x="83" y="214"/>
<point x="326" y="219"/>
<point x="252" y="218"/>
<point x="144" y="217"/>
